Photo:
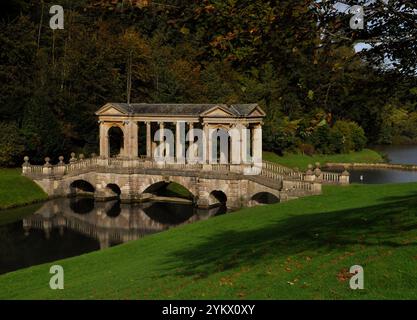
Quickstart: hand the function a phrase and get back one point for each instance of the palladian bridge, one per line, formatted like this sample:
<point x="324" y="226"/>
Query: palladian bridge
<point x="137" y="158"/>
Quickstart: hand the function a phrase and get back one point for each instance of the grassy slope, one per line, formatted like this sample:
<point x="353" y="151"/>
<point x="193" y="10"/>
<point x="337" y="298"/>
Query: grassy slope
<point x="17" y="190"/>
<point x="302" y="161"/>
<point x="299" y="249"/>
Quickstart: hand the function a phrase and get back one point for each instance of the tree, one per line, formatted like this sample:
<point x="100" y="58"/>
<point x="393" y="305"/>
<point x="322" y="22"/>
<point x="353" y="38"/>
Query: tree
<point x="390" y="30"/>
<point x="11" y="146"/>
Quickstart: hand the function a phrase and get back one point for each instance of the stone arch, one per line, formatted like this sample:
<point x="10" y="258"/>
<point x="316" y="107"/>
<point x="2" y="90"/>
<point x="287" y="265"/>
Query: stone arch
<point x="160" y="188"/>
<point x="217" y="198"/>
<point x="264" y="197"/>
<point x="81" y="187"/>
<point x="114" y="190"/>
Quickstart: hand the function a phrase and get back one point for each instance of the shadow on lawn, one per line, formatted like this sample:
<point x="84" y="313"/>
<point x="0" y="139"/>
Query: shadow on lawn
<point x="379" y="225"/>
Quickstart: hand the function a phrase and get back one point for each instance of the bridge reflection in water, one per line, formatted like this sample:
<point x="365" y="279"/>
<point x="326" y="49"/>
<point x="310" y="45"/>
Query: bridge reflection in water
<point x="111" y="222"/>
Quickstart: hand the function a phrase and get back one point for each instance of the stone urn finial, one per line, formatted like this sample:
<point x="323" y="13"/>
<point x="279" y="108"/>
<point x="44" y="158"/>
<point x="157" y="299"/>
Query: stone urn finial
<point x="47" y="164"/>
<point x="317" y="170"/>
<point x="345" y="171"/>
<point x="26" y="160"/>
<point x="61" y="159"/>
<point x="73" y="158"/>
<point x="81" y="156"/>
<point x="309" y="169"/>
<point x="93" y="155"/>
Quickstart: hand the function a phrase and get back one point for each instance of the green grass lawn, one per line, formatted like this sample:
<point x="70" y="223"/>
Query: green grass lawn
<point x="16" y="190"/>
<point x="301" y="249"/>
<point x="302" y="161"/>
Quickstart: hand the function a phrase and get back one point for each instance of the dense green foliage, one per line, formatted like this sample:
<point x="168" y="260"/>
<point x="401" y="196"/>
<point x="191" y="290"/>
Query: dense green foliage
<point x="17" y="190"/>
<point x="301" y="249"/>
<point x="272" y="52"/>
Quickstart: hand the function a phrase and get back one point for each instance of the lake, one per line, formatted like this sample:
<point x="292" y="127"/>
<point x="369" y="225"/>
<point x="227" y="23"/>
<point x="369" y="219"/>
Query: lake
<point x="68" y="227"/>
<point x="406" y="154"/>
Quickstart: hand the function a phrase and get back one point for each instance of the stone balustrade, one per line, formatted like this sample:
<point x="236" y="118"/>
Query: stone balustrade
<point x="269" y="170"/>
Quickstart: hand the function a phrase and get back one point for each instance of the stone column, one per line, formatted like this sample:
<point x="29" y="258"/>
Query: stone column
<point x="131" y="149"/>
<point x="257" y="144"/>
<point x="104" y="140"/>
<point x="236" y="144"/>
<point x="161" y="137"/>
<point x="206" y="143"/>
<point x="246" y="141"/>
<point x="179" y="140"/>
<point x="191" y="146"/>
<point x="206" y="148"/>
<point x="148" y="140"/>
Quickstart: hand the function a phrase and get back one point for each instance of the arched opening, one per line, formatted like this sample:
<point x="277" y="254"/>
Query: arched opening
<point x="265" y="198"/>
<point x="218" y="198"/>
<point x="116" y="142"/>
<point x="113" y="190"/>
<point x="169" y="189"/>
<point x="81" y="188"/>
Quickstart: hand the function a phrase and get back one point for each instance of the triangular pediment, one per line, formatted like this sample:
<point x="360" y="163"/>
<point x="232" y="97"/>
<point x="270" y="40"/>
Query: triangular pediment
<point x="110" y="110"/>
<point x="257" y="112"/>
<point x="218" y="111"/>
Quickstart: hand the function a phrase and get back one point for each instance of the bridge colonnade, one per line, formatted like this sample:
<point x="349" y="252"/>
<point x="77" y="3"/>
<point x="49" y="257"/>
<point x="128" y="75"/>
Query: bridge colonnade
<point x="201" y="124"/>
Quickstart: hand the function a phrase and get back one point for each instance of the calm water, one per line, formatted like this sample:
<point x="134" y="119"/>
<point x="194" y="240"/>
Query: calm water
<point x="64" y="228"/>
<point x="395" y="154"/>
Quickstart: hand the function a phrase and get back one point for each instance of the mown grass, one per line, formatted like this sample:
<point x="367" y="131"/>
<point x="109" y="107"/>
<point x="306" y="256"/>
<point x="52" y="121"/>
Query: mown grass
<point x="302" y="161"/>
<point x="16" y="190"/>
<point x="301" y="249"/>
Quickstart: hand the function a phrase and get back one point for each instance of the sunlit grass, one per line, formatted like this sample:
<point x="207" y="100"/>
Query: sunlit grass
<point x="301" y="249"/>
<point x="17" y="190"/>
<point x="301" y="161"/>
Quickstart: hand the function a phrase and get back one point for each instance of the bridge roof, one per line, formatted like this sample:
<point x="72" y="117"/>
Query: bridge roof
<point x="157" y="109"/>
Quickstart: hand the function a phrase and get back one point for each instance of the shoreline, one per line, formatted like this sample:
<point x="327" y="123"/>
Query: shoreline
<point x="403" y="167"/>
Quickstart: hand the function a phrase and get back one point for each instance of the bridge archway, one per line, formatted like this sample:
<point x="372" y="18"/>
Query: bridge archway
<point x="114" y="189"/>
<point x="264" y="198"/>
<point x="81" y="187"/>
<point x="217" y="197"/>
<point x="116" y="141"/>
<point x="169" y="189"/>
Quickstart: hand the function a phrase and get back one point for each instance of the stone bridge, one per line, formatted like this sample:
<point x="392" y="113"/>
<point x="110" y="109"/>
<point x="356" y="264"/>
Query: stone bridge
<point x="210" y="184"/>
